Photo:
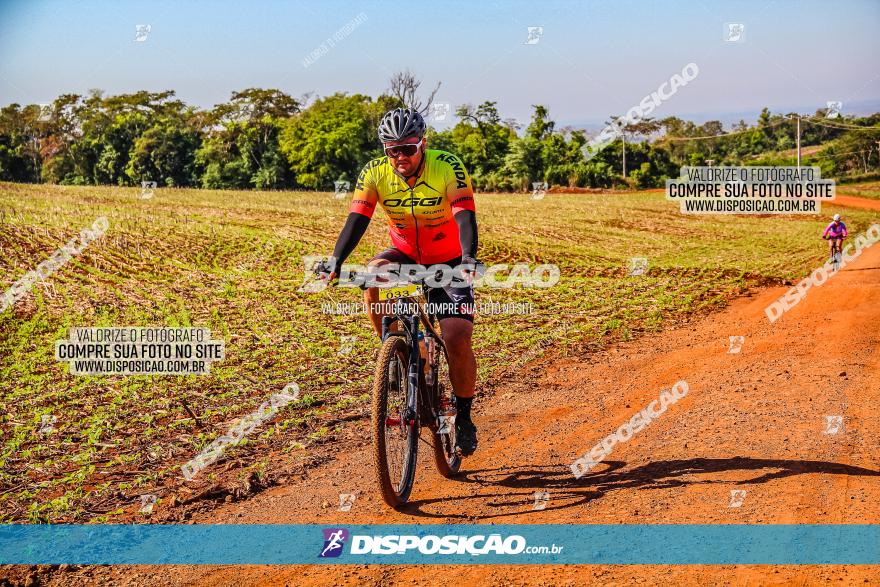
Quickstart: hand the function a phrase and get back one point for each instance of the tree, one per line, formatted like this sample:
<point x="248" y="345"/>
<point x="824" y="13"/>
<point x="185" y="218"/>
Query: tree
<point x="266" y="139"/>
<point x="481" y="139"/>
<point x="165" y="154"/>
<point x="242" y="148"/>
<point x="254" y="116"/>
<point x="856" y="151"/>
<point x="105" y="130"/>
<point x="404" y="86"/>
<point x="646" y="127"/>
<point x="57" y="152"/>
<point x="332" y="139"/>
<point x="523" y="163"/>
<point x="19" y="143"/>
<point x="541" y="126"/>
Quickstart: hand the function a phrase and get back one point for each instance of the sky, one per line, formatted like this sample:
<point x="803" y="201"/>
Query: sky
<point x="593" y="59"/>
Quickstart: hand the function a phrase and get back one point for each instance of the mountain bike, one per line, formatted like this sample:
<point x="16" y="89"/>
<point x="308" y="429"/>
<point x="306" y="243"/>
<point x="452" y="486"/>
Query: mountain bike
<point x="836" y="245"/>
<point x="410" y="392"/>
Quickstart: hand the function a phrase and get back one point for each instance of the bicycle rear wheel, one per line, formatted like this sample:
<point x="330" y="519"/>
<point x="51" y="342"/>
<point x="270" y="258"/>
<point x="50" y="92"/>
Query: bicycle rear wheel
<point x="395" y="440"/>
<point x="448" y="461"/>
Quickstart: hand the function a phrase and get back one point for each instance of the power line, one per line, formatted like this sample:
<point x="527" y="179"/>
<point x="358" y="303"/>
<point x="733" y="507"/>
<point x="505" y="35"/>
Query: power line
<point x="777" y="123"/>
<point x="833" y="154"/>
<point x="728" y="134"/>
<point x="841" y="126"/>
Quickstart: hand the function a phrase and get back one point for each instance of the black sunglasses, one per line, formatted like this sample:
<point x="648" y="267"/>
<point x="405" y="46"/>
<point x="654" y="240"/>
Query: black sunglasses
<point x="405" y="150"/>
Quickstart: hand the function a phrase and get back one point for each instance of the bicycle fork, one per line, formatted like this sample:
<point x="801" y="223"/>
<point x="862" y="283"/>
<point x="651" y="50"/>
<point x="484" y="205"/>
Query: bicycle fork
<point x="411" y="413"/>
<point x="412" y="391"/>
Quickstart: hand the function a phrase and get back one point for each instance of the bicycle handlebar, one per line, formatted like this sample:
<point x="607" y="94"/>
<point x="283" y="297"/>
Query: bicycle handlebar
<point x="366" y="280"/>
<point x="396" y="280"/>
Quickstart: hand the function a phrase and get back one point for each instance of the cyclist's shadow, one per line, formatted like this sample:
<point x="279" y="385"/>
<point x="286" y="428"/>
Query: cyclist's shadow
<point x="566" y="491"/>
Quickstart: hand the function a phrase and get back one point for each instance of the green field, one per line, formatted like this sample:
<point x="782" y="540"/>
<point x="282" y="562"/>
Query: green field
<point x="861" y="190"/>
<point x="232" y="262"/>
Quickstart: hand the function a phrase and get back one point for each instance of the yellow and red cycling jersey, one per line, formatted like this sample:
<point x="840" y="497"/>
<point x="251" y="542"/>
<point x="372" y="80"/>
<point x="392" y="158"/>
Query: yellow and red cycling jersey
<point x="420" y="218"/>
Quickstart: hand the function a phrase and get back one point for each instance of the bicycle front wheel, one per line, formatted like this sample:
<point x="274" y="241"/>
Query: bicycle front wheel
<point x="395" y="440"/>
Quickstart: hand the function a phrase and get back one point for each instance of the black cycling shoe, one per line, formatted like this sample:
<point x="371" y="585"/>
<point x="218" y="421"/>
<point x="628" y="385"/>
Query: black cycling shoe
<point x="465" y="437"/>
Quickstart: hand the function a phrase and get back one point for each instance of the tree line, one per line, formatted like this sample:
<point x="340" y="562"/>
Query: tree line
<point x="267" y="139"/>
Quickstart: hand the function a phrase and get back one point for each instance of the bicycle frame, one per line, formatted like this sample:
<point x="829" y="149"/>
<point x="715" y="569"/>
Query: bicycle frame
<point x="413" y="315"/>
<point x="410" y="321"/>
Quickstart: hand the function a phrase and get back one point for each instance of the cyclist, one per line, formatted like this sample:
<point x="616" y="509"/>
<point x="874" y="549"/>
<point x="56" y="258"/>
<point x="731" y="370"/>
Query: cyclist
<point x="835" y="233"/>
<point x="429" y="200"/>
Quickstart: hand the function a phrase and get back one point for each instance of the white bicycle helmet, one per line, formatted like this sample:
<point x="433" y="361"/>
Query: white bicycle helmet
<point x="401" y="123"/>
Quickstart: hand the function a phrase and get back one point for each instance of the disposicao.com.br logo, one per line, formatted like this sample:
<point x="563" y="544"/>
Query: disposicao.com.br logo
<point x="334" y="541"/>
<point x="402" y="544"/>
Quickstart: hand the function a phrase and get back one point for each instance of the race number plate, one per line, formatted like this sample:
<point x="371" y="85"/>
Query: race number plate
<point x="403" y="291"/>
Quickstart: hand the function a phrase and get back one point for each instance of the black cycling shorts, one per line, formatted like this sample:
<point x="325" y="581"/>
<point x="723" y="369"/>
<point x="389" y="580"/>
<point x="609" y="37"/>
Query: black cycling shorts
<point x="459" y="301"/>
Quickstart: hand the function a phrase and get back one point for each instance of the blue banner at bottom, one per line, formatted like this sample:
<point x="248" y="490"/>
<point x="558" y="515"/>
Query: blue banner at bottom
<point x="676" y="544"/>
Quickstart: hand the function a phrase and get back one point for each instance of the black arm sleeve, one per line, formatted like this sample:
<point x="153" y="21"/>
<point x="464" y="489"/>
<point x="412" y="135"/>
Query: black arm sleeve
<point x="467" y="232"/>
<point x="355" y="227"/>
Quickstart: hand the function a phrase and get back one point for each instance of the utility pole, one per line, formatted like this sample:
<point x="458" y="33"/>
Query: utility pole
<point x="798" y="116"/>
<point x="623" y="136"/>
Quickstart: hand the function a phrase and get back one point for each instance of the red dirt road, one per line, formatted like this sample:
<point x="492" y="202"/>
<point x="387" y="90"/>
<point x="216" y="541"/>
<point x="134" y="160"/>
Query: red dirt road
<point x="756" y="420"/>
<point x="854" y="202"/>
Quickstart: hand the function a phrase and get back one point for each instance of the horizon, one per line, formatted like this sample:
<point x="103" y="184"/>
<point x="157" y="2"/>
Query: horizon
<point x="204" y="51"/>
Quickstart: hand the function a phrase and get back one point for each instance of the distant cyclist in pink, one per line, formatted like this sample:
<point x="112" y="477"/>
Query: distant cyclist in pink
<point x="835" y="233"/>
